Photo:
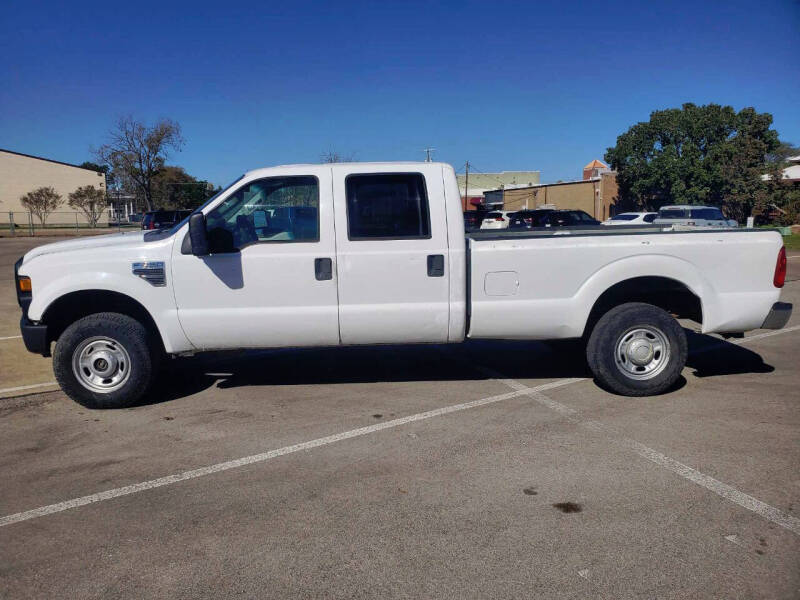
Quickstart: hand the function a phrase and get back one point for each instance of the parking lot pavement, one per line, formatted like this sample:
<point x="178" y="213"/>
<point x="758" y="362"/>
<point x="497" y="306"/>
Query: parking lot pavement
<point x="18" y="368"/>
<point x="413" y="472"/>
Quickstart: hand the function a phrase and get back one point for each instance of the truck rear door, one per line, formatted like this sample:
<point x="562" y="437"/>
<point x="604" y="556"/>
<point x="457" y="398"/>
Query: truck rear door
<point x="392" y="253"/>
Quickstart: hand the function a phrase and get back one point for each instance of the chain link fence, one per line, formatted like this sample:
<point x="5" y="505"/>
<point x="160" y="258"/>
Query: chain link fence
<point x="19" y="223"/>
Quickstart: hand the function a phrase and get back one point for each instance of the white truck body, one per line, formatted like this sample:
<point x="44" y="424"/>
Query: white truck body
<point x="530" y="285"/>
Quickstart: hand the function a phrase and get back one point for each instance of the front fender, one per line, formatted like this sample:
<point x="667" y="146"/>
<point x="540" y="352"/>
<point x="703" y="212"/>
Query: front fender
<point x="158" y="301"/>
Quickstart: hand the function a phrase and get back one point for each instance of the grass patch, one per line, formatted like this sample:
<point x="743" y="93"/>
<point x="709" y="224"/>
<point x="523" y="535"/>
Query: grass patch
<point x="792" y="242"/>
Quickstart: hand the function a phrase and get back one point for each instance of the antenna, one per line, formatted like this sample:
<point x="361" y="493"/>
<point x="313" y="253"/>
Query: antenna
<point x="427" y="152"/>
<point x="466" y="187"/>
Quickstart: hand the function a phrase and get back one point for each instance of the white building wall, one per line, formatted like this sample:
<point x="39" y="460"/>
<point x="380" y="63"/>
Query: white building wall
<point x="20" y="174"/>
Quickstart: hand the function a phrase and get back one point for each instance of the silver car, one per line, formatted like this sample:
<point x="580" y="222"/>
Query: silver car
<point x="688" y="215"/>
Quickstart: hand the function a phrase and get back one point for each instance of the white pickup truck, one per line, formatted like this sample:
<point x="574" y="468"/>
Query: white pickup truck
<point x="375" y="253"/>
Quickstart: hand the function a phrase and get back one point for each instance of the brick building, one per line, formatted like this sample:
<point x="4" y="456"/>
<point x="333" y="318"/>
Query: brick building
<point x="596" y="194"/>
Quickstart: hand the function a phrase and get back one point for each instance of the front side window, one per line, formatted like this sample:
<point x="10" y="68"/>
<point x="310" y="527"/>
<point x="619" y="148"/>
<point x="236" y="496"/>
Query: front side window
<point x="274" y="209"/>
<point x="387" y="206"/>
<point x="650" y="218"/>
<point x="624" y="217"/>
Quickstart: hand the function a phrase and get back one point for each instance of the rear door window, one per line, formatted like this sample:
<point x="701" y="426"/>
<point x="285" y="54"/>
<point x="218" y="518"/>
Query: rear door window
<point x="710" y="214"/>
<point x="387" y="206"/>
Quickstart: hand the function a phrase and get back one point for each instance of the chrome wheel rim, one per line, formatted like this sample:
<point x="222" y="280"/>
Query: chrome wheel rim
<point x="642" y="352"/>
<point x="101" y="364"/>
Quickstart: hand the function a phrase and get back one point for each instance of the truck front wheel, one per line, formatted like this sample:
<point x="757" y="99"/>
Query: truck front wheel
<point x="104" y="360"/>
<point x="637" y="349"/>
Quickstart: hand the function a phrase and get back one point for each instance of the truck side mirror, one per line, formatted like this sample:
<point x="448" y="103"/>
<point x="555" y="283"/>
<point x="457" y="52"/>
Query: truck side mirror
<point x="198" y="234"/>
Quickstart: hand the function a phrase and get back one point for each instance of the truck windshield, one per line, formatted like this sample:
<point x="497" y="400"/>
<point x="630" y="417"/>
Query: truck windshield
<point x="206" y="203"/>
<point x="152" y="236"/>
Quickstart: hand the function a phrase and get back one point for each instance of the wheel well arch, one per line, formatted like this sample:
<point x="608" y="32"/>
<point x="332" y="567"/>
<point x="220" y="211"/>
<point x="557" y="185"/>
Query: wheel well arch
<point x="669" y="294"/>
<point x="67" y="309"/>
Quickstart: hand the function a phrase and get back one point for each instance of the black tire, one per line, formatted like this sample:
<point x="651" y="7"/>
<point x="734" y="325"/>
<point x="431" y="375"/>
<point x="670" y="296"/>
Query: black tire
<point x="621" y="371"/>
<point x="138" y="351"/>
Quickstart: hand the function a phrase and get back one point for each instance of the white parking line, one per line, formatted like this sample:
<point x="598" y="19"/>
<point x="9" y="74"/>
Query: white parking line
<point x="721" y="489"/>
<point x="257" y="458"/>
<point x="22" y="388"/>
<point x="519" y="389"/>
<point x="766" y="334"/>
<point x="745" y="340"/>
<point x="11" y="337"/>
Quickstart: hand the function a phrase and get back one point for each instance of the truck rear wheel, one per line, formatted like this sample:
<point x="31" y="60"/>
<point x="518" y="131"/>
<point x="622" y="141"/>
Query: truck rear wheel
<point x="637" y="349"/>
<point x="104" y="360"/>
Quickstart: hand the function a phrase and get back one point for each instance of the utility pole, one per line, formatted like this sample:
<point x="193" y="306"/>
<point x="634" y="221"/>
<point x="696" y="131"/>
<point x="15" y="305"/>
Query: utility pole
<point x="427" y="152"/>
<point x="466" y="186"/>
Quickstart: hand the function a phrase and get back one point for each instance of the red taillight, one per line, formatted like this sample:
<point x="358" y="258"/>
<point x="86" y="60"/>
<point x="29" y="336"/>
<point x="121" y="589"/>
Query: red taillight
<point x="780" y="269"/>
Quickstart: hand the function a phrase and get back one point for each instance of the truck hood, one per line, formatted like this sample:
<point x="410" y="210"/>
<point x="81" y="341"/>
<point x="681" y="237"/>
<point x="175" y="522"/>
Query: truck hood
<point x="116" y="240"/>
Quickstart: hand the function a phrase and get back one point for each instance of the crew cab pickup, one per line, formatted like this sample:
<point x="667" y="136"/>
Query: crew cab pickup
<point x="375" y="253"/>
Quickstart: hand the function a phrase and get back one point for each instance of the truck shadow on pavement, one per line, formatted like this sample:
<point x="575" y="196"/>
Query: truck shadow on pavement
<point x="708" y="356"/>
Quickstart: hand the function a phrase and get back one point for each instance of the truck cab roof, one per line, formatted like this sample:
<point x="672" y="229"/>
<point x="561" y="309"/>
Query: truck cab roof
<point x="349" y="166"/>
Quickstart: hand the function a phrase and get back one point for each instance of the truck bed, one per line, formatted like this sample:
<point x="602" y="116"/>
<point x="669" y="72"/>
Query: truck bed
<point x="543" y="283"/>
<point x="592" y="230"/>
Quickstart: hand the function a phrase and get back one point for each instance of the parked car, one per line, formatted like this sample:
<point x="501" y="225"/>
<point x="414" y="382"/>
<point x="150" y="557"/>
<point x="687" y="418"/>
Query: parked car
<point x="693" y="216"/>
<point x="163" y="219"/>
<point x="632" y="218"/>
<point x="548" y="217"/>
<point x="379" y="256"/>
<point x="473" y="219"/>
<point x="495" y="219"/>
<point x="528" y="219"/>
<point x="570" y="218"/>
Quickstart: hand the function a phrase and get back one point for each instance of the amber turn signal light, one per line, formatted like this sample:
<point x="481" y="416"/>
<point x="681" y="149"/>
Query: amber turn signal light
<point x="24" y="284"/>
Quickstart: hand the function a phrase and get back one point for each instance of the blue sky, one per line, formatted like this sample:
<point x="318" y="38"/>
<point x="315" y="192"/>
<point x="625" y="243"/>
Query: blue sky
<point x="507" y="86"/>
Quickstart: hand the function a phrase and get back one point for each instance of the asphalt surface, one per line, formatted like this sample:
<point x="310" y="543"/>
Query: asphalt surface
<point x="410" y="472"/>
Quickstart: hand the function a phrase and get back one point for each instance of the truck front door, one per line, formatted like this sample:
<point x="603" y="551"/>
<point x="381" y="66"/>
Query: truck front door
<point x="270" y="279"/>
<point x="392" y="255"/>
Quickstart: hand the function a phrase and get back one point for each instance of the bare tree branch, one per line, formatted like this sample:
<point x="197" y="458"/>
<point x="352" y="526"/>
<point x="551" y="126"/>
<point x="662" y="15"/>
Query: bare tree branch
<point x="333" y="156"/>
<point x="138" y="151"/>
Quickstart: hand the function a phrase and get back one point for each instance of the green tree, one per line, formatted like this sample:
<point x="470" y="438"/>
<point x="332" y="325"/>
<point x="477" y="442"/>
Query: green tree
<point x="90" y="201"/>
<point x="95" y="167"/>
<point x="695" y="155"/>
<point x="41" y="202"/>
<point x="173" y="187"/>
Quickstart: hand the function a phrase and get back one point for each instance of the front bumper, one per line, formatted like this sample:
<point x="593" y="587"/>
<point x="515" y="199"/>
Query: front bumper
<point x="34" y="336"/>
<point x="778" y="316"/>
